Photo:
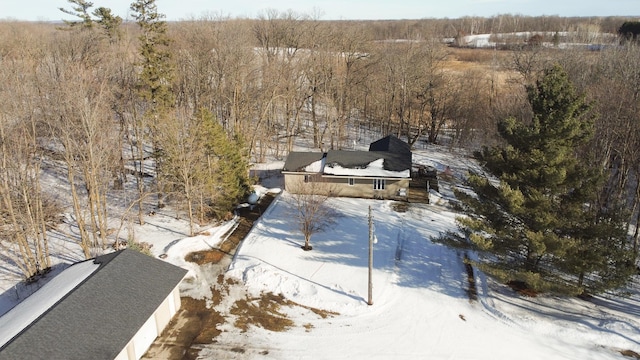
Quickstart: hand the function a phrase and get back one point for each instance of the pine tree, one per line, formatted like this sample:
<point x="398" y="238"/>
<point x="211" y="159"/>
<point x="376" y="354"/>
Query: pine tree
<point x="80" y="10"/>
<point x="539" y="226"/>
<point x="110" y="23"/>
<point x="229" y="180"/>
<point x="600" y="257"/>
<point x="157" y="69"/>
<point x="155" y="79"/>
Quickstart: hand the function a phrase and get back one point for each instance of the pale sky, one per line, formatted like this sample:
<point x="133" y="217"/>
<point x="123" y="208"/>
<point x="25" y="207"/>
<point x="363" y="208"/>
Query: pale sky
<point x="47" y="10"/>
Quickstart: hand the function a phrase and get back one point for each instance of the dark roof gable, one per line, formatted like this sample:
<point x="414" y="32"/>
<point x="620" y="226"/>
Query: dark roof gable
<point x="392" y="144"/>
<point x="97" y="319"/>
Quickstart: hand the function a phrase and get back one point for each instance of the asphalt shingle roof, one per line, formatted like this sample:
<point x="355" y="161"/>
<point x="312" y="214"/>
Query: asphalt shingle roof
<point x="391" y="144"/>
<point x="360" y="159"/>
<point x="297" y="161"/>
<point x="97" y="319"/>
<point x="395" y="152"/>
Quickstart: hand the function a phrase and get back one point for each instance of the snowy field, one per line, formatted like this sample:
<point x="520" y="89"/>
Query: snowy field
<point x="420" y="309"/>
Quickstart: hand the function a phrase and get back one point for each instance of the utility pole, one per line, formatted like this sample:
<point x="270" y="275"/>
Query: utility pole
<point x="370" y="301"/>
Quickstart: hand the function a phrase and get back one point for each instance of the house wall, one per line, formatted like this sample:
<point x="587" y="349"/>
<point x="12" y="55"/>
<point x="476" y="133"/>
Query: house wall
<point x="152" y="328"/>
<point x="291" y="181"/>
<point x="362" y="187"/>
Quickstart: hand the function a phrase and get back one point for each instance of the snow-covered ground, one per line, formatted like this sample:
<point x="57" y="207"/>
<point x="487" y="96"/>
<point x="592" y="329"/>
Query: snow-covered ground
<point x="420" y="304"/>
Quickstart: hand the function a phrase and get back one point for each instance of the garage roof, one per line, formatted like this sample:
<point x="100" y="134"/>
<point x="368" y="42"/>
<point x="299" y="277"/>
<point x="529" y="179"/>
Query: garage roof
<point x="97" y="318"/>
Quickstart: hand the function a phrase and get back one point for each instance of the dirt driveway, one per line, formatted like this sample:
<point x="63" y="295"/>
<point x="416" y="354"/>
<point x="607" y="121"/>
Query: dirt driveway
<point x="196" y="324"/>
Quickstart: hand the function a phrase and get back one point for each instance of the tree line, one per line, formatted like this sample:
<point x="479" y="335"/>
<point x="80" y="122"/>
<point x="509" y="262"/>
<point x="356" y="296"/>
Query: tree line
<point x="179" y="109"/>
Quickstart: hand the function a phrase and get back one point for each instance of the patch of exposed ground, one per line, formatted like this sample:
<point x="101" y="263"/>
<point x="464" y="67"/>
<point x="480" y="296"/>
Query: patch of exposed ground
<point x="198" y="322"/>
<point x="631" y="354"/>
<point x="194" y="325"/>
<point x="205" y="257"/>
<point x="400" y="207"/>
<point x="264" y="312"/>
<point x="522" y="288"/>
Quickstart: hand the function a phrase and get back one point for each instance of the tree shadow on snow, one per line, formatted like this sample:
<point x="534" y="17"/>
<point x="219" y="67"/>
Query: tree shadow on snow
<point x="402" y="247"/>
<point x="415" y="260"/>
<point x="585" y="317"/>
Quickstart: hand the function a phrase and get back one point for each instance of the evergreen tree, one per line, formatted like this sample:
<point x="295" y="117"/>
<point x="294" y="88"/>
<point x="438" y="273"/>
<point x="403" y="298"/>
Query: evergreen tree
<point x="600" y="257"/>
<point x="229" y="180"/>
<point x="157" y="68"/>
<point x="110" y="24"/>
<point x="556" y="39"/>
<point x="79" y="9"/>
<point x="155" y="79"/>
<point x="540" y="226"/>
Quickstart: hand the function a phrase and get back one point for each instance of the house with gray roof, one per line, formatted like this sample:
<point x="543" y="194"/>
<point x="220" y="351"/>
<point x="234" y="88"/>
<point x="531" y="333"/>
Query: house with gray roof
<point x="110" y="307"/>
<point x="383" y="172"/>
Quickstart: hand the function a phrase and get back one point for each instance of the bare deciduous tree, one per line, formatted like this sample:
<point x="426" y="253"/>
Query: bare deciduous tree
<point x="75" y="103"/>
<point x="185" y="166"/>
<point x="26" y="212"/>
<point x="351" y="70"/>
<point x="311" y="210"/>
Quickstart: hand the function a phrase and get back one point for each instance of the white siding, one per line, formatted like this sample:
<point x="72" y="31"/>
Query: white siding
<point x="172" y="303"/>
<point x="152" y="328"/>
<point x="144" y="337"/>
<point x="123" y="355"/>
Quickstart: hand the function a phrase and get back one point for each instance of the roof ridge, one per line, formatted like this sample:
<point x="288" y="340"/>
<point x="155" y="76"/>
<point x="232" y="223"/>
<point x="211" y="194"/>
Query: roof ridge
<point x="62" y="298"/>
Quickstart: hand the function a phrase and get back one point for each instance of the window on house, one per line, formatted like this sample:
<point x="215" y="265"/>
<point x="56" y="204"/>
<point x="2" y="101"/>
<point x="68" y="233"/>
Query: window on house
<point x="378" y="184"/>
<point x="351" y="181"/>
<point x="307" y="178"/>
